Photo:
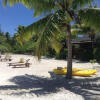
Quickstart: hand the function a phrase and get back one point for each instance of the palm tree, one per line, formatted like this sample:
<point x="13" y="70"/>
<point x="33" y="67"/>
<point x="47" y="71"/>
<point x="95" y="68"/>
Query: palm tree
<point x="19" y="34"/>
<point x="4" y="45"/>
<point x="58" y="17"/>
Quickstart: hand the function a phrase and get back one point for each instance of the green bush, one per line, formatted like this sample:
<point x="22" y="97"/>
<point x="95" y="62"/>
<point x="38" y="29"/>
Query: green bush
<point x="93" y="61"/>
<point x="50" y="52"/>
<point x="86" y="55"/>
<point x="96" y="50"/>
<point x="62" y="54"/>
<point x="96" y="53"/>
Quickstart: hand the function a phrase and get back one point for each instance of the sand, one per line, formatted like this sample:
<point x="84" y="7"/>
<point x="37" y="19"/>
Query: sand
<point x="36" y="83"/>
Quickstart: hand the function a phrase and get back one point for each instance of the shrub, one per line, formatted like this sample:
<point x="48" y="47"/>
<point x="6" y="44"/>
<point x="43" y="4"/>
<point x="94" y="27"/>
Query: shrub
<point x="62" y="54"/>
<point x="93" y="61"/>
<point x="86" y="55"/>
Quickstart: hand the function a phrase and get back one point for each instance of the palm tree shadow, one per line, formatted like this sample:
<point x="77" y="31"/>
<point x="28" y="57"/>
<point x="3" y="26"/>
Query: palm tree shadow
<point x="87" y="87"/>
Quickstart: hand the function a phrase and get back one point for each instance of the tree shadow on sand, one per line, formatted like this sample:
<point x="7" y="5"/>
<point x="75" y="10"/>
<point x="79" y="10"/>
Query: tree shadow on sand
<point x="89" y="88"/>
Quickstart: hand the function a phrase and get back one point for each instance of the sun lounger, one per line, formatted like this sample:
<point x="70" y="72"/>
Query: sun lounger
<point x="18" y="62"/>
<point x="21" y="61"/>
<point x="26" y="64"/>
<point x="21" y="65"/>
<point x="6" y="58"/>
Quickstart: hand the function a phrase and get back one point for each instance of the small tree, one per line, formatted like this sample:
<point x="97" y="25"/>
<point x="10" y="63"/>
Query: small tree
<point x="93" y="62"/>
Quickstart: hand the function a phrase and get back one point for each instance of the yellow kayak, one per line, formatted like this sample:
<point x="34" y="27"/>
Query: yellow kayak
<point x="61" y="72"/>
<point x="93" y="71"/>
<point x="85" y="73"/>
<point x="76" y="72"/>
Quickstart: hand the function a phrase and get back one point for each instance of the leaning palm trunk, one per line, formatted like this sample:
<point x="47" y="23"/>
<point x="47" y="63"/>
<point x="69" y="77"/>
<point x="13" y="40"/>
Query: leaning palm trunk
<point x="69" y="45"/>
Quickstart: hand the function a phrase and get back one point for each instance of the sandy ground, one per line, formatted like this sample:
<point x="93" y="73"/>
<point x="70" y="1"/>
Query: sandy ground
<point x="36" y="83"/>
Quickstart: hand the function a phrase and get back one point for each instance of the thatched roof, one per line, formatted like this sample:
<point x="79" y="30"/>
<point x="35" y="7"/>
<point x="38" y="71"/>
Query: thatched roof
<point x="83" y="39"/>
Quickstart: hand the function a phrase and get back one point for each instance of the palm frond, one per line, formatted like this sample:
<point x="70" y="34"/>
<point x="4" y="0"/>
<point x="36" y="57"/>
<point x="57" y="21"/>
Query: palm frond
<point x="47" y="30"/>
<point x="39" y="6"/>
<point x="5" y="47"/>
<point x="76" y="31"/>
<point x="81" y="3"/>
<point x="91" y="17"/>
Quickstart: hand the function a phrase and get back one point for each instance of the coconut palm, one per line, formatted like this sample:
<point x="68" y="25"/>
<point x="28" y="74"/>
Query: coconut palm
<point x="58" y="17"/>
<point x="4" y="46"/>
<point x="21" y="37"/>
<point x="19" y="34"/>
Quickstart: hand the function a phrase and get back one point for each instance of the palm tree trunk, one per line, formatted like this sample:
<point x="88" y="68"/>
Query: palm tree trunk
<point x="69" y="46"/>
<point x="92" y="36"/>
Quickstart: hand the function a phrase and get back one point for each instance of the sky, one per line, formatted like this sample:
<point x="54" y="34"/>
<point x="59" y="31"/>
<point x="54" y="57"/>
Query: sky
<point x="11" y="17"/>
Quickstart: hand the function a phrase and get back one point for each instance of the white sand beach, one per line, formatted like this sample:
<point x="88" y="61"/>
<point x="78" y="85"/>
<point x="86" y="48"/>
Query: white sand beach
<point x="36" y="83"/>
